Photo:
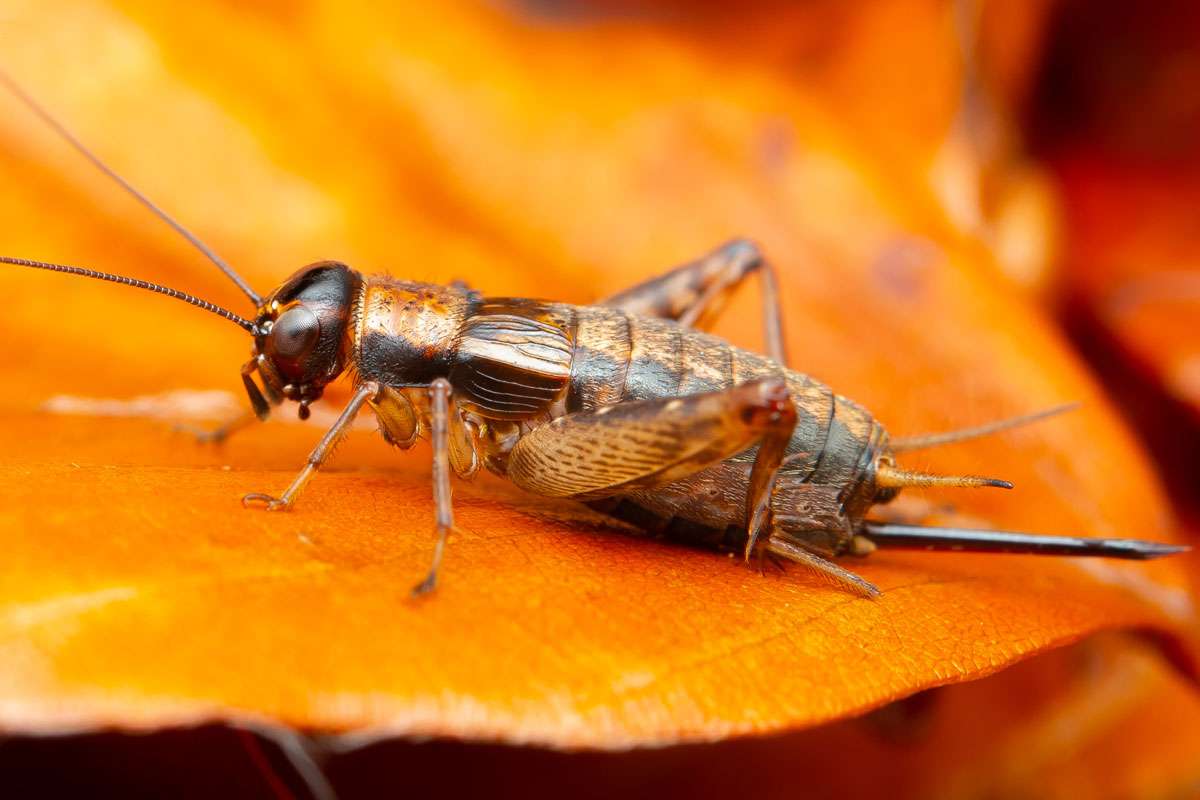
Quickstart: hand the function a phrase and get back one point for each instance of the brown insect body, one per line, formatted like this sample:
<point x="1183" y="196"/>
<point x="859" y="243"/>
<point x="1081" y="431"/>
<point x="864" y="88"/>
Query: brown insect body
<point x="624" y="405"/>
<point x="643" y="417"/>
<point x="516" y="364"/>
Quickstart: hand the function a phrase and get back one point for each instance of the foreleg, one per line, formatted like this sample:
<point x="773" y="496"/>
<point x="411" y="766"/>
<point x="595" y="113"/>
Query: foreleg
<point x="259" y="404"/>
<point x="321" y="452"/>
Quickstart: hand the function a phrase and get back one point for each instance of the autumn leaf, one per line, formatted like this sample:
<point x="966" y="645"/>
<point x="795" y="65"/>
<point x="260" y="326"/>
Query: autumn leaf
<point x="462" y="141"/>
<point x="1102" y="718"/>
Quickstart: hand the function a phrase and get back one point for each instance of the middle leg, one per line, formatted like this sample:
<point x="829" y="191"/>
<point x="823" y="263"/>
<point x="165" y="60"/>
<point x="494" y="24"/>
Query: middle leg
<point x="439" y="435"/>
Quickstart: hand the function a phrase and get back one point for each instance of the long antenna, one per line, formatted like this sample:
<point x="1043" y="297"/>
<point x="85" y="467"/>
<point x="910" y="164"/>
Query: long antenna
<point x="137" y="284"/>
<point x="71" y="139"/>
<point x="907" y="444"/>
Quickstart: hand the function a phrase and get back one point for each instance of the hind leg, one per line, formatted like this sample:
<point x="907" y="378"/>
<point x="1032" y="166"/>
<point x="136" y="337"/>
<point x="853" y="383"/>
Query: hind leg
<point x="694" y="293"/>
<point x="788" y="548"/>
<point x="644" y="444"/>
<point x="810" y="525"/>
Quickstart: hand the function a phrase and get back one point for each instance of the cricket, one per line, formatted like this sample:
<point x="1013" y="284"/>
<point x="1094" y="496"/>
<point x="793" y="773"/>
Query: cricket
<point x="625" y="405"/>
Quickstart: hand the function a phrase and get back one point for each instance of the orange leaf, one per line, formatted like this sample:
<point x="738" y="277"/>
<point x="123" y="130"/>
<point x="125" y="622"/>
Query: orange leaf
<point x="1103" y="718"/>
<point x="454" y="141"/>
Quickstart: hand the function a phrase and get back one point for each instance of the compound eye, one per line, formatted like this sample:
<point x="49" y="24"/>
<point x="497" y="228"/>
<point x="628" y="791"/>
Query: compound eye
<point x="294" y="334"/>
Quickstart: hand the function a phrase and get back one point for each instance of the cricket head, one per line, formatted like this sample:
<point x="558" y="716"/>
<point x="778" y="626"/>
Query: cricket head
<point x="302" y="335"/>
<point x="302" y="332"/>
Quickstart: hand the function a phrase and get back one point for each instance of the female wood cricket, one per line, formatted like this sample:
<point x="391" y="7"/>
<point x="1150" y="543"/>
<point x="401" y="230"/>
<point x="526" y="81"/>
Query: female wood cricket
<point x="624" y="405"/>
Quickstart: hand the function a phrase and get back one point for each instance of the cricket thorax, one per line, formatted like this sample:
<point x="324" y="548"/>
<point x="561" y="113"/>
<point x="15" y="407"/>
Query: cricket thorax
<point x="406" y="330"/>
<point x="508" y="361"/>
<point x="506" y="358"/>
<point x="512" y="358"/>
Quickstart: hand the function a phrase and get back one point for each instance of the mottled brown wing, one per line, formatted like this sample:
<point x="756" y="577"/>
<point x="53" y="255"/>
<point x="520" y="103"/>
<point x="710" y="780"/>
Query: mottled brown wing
<point x="617" y="448"/>
<point x="512" y="358"/>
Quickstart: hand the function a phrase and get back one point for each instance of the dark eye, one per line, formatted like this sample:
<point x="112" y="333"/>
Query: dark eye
<point x="294" y="334"/>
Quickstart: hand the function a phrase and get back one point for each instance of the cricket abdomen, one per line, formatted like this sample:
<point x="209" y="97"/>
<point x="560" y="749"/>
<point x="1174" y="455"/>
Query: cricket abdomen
<point x="620" y="357"/>
<point x="708" y="509"/>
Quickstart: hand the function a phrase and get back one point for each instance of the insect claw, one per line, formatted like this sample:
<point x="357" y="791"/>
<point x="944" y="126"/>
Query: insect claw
<point x="201" y="435"/>
<point x="776" y="561"/>
<point x="426" y="586"/>
<point x="269" y="503"/>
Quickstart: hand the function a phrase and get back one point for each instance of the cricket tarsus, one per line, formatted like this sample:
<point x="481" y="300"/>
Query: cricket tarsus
<point x="824" y="568"/>
<point x="920" y="537"/>
<point x="319" y="454"/>
<point x="38" y="110"/>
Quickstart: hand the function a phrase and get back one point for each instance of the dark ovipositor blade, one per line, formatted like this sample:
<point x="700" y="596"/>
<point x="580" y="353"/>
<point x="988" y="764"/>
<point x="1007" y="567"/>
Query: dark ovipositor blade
<point x="921" y="537"/>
